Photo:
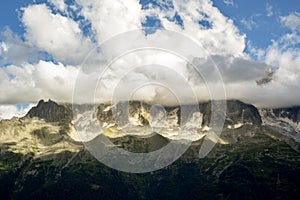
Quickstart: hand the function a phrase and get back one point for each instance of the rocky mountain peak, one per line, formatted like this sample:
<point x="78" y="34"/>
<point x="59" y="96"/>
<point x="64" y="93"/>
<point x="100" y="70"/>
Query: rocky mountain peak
<point x="241" y="112"/>
<point x="50" y="111"/>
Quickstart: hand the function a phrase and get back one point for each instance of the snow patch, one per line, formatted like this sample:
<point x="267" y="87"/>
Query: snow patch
<point x="235" y="126"/>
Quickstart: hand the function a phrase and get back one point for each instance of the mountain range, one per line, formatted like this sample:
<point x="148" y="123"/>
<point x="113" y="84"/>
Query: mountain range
<point x="255" y="157"/>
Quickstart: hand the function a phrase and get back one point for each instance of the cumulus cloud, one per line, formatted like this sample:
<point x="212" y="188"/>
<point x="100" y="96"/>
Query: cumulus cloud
<point x="29" y="77"/>
<point x="206" y="25"/>
<point x="30" y="82"/>
<point x="234" y="70"/>
<point x="283" y="55"/>
<point x="109" y="19"/>
<point x="291" y="21"/>
<point x="58" y="35"/>
<point x="15" y="51"/>
<point x="59" y="4"/>
<point x="288" y="62"/>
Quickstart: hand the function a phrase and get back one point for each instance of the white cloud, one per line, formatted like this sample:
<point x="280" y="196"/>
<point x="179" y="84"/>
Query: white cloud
<point x="112" y="18"/>
<point x="56" y="34"/>
<point x="284" y="56"/>
<point x="63" y="38"/>
<point x="221" y="37"/>
<point x="292" y="21"/>
<point x="15" y="51"/>
<point x="29" y="83"/>
<point x="228" y="2"/>
<point x="269" y="10"/>
<point x="3" y="48"/>
<point x="249" y="24"/>
<point x="59" y="4"/>
<point x="9" y="111"/>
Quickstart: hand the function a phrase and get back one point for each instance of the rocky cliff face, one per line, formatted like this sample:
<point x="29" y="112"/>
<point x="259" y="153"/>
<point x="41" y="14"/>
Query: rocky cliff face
<point x="51" y="112"/>
<point x="290" y="113"/>
<point x="143" y="114"/>
<point x="283" y="121"/>
<point x="239" y="112"/>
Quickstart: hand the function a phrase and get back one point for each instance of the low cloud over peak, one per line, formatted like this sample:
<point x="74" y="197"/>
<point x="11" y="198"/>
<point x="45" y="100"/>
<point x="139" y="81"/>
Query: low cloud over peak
<point x="60" y="37"/>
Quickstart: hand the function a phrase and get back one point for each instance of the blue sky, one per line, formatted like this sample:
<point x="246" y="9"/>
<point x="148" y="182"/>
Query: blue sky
<point x="9" y="15"/>
<point x="264" y="28"/>
<point x="43" y="43"/>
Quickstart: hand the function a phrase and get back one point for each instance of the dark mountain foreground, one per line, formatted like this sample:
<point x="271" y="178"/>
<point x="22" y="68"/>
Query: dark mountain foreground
<point x="256" y="156"/>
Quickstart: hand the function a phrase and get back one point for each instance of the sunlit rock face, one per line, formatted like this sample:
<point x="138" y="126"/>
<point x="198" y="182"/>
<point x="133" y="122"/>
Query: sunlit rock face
<point x="140" y="118"/>
<point x="45" y="130"/>
<point x="136" y="118"/>
<point x="36" y="136"/>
